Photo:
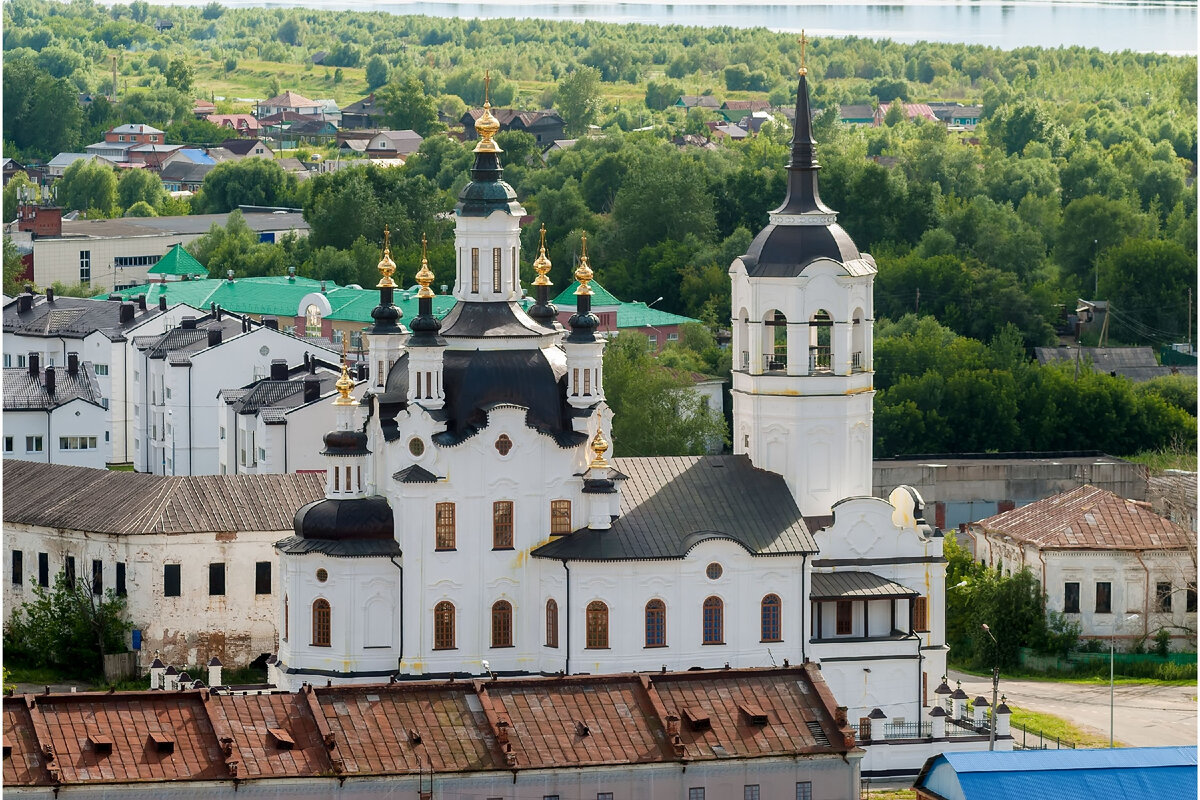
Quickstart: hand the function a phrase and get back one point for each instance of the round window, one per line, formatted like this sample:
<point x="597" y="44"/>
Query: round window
<point x="713" y="571"/>
<point x="323" y="576"/>
<point x="416" y="446"/>
<point x="264" y="351"/>
<point x="503" y="444"/>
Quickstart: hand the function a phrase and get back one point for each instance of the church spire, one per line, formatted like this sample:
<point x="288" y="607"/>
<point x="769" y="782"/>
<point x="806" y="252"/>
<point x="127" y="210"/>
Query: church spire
<point x="583" y="322"/>
<point x="425" y="325"/>
<point x="386" y="315"/>
<point x="543" y="311"/>
<point x="802" y="193"/>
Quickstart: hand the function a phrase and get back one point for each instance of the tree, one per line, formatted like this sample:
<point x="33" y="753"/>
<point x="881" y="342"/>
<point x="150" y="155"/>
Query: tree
<point x="250" y="181"/>
<point x="662" y="94"/>
<point x="1147" y="281"/>
<point x="408" y="107"/>
<point x="212" y="11"/>
<point x="159" y="107"/>
<point x="1014" y="126"/>
<point x="1090" y="226"/>
<point x="377" y="72"/>
<point x="141" y="209"/>
<point x="180" y="74"/>
<point x="41" y="112"/>
<point x="292" y="31"/>
<point x="17" y="185"/>
<point x="89" y="186"/>
<point x="68" y="628"/>
<point x="140" y="185"/>
<point x="357" y="202"/>
<point x="578" y="99"/>
<point x="13" y="267"/>
<point x="895" y="114"/>
<point x="655" y="410"/>
<point x="198" y="131"/>
<point x="663" y="198"/>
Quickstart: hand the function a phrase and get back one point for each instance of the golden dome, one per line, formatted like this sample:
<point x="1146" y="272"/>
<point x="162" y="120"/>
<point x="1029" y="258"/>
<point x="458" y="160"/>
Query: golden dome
<point x="583" y="273"/>
<point x="541" y="264"/>
<point x="386" y="265"/>
<point x="424" y="274"/>
<point x="487" y="126"/>
<point x="599" y="448"/>
<point x="344" y="383"/>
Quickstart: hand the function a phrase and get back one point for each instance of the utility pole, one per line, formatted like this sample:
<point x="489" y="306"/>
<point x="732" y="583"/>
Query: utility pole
<point x="114" y="73"/>
<point x="918" y="309"/>
<point x="1189" y="323"/>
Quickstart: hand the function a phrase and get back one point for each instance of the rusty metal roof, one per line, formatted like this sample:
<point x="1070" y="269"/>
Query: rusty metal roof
<point x="1088" y="518"/>
<point x="859" y="585"/>
<point x="408" y="727"/>
<point x="101" y="501"/>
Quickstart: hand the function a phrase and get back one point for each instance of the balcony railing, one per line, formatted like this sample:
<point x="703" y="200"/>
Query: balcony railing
<point x="856" y="361"/>
<point x="820" y="359"/>
<point x="775" y="362"/>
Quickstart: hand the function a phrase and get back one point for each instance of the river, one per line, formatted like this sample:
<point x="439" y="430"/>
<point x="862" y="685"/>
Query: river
<point x="1162" y="26"/>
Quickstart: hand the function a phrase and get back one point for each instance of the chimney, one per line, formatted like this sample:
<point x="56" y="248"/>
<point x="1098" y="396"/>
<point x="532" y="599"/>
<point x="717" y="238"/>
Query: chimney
<point x="363" y="370"/>
<point x="312" y="388"/>
<point x="127" y="312"/>
<point x="49" y="381"/>
<point x="214" y="336"/>
<point x="72" y="363"/>
<point x="214" y="671"/>
<point x="24" y="303"/>
<point x="311" y="362"/>
<point x="271" y="322"/>
<point x="218" y="312"/>
<point x="141" y="302"/>
<point x="279" y="369"/>
<point x="188" y="323"/>
<point x="49" y="295"/>
<point x="35" y="366"/>
<point x="162" y="302"/>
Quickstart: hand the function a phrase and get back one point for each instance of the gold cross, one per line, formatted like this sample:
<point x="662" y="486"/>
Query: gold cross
<point x="487" y="84"/>
<point x="803" y="40"/>
<point x="387" y="236"/>
<point x="422" y="246"/>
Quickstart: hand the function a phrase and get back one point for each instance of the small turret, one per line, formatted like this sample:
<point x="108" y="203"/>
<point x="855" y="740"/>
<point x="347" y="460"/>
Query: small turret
<point x="346" y="447"/>
<point x="386" y="336"/>
<point x="599" y="488"/>
<point x="584" y="346"/>
<point x="425" y="347"/>
<point x="543" y="312"/>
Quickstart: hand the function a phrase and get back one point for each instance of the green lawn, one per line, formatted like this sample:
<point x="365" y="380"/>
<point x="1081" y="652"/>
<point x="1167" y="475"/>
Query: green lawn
<point x="1091" y="680"/>
<point x="1052" y="727"/>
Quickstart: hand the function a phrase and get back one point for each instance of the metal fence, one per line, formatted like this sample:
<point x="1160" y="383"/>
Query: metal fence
<point x="907" y="730"/>
<point x="1033" y="739"/>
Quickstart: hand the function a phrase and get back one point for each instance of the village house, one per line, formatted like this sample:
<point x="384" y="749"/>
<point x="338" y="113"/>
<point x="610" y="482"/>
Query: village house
<point x="1101" y="560"/>
<point x="546" y="126"/>
<point x="289" y="102"/>
<point x="363" y="114"/>
<point x="55" y="415"/>
<point x="393" y="144"/>
<point x="245" y="124"/>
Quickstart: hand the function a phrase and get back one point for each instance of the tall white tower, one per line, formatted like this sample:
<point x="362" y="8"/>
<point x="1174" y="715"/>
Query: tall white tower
<point x="802" y="317"/>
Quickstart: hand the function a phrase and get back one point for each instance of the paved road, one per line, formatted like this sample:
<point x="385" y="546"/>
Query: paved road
<point x="1146" y="715"/>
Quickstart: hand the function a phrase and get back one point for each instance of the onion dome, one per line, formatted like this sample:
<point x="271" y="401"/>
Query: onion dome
<point x="339" y="520"/>
<point x="543" y="311"/>
<point x="487" y="126"/>
<point x="583" y="322"/>
<point x="425" y="325"/>
<point x="386" y="315"/>
<point x="599" y="448"/>
<point x="487" y="192"/>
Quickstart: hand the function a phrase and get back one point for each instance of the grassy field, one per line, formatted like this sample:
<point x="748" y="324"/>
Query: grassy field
<point x="1053" y="727"/>
<point x="1091" y="680"/>
<point x="1161" y="460"/>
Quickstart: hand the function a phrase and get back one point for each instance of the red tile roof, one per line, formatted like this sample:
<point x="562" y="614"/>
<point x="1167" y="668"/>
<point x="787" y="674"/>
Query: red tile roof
<point x="402" y="728"/>
<point x="1088" y="518"/>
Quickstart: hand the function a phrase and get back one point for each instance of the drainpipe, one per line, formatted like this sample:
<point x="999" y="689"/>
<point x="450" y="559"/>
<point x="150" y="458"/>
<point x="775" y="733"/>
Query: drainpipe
<point x="191" y="469"/>
<point x="124" y="401"/>
<point x="235" y="445"/>
<point x="48" y="439"/>
<point x="1145" y="597"/>
<point x="567" y="567"/>
<point x="285" y="469"/>
<point x="803" y="602"/>
<point x="400" y="655"/>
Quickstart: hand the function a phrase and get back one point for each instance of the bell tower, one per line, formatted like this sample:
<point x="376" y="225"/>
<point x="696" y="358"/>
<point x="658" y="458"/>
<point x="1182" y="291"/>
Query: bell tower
<point x="802" y="361"/>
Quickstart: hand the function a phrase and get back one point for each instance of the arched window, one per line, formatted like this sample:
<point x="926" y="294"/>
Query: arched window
<point x="656" y="624"/>
<point x="443" y="626"/>
<point x="597" y="626"/>
<point x="772" y="629"/>
<point x="502" y="624"/>
<point x="321" y="623"/>
<point x="312" y="320"/>
<point x="714" y="621"/>
<point x="551" y="623"/>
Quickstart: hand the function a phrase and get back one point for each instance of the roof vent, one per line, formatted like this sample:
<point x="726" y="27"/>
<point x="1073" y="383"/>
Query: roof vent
<point x="128" y="310"/>
<point x="582" y="728"/>
<point x="214" y="336"/>
<point x="162" y="742"/>
<point x="101" y="743"/>
<point x="50" y="381"/>
<point x="141" y="302"/>
<point x="188" y="323"/>
<point x="754" y="714"/>
<point x="697" y="719"/>
<point x="271" y="322"/>
<point x="72" y="363"/>
<point x="818" y="733"/>
<point x="162" y="302"/>
<point x="283" y="740"/>
<point x="279" y="369"/>
<point x="413" y="736"/>
<point x="49" y="295"/>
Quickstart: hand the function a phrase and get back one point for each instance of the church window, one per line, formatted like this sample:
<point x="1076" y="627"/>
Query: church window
<point x="443" y="626"/>
<point x="772" y="630"/>
<point x="560" y="517"/>
<point x="713" y="571"/>
<point x="322" y="575"/>
<point x="416" y="447"/>
<point x="496" y="269"/>
<point x="502" y="525"/>
<point x="337" y="478"/>
<point x="516" y="278"/>
<point x="503" y="444"/>
<point x="312" y="320"/>
<point x="656" y="624"/>
<point x="575" y="382"/>
<point x="444" y="533"/>
<point x="321" y="623"/>
<point x="714" y="621"/>
<point x="587" y="381"/>
<point x="475" y="269"/>
<point x="551" y="623"/>
<point x="502" y="624"/>
<point x="845" y="618"/>
<point x="597" y="626"/>
<point x="921" y="614"/>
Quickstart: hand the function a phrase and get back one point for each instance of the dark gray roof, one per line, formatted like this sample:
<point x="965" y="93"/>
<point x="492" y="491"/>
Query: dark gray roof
<point x="415" y="474"/>
<point x="477" y="320"/>
<point x="358" y="519"/>
<point x="72" y="318"/>
<point x="1136" y="363"/>
<point x="186" y="172"/>
<point x="25" y="392"/>
<point x="178" y="344"/>
<point x="353" y="548"/>
<point x="669" y="504"/>
<point x="783" y="251"/>
<point x="860" y="585"/>
<point x="287" y="394"/>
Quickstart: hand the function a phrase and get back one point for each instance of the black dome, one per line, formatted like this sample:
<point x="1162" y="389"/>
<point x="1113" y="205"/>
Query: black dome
<point x="345" y="443"/>
<point x="785" y="250"/>
<point x="339" y="520"/>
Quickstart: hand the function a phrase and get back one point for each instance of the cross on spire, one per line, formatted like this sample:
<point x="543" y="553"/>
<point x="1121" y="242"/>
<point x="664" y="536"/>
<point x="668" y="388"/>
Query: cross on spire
<point x="387" y="238"/>
<point x="803" y="40"/>
<point x="487" y="86"/>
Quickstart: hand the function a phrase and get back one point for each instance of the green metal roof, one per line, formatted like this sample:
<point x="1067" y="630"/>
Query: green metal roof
<point x="629" y="315"/>
<point x="178" y="261"/>
<point x="600" y="296"/>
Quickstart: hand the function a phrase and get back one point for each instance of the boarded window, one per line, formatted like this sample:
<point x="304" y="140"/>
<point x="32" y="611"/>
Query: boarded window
<point x="921" y="614"/>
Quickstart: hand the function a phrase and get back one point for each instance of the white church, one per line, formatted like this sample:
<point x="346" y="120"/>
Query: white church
<point x="478" y="521"/>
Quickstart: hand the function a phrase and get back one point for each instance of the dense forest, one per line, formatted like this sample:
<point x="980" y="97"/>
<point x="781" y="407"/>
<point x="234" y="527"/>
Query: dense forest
<point x="1078" y="183"/>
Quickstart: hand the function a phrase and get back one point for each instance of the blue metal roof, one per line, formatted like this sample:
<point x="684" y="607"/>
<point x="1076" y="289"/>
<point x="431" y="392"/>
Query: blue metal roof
<point x="1019" y="775"/>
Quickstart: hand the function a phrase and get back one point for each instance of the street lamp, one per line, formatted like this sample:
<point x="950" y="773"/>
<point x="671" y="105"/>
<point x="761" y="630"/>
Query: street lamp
<point x="1112" y="646"/>
<point x="995" y="687"/>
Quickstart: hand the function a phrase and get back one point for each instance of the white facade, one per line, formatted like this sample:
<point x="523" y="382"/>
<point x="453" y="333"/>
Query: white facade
<point x="176" y="430"/>
<point x="75" y="433"/>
